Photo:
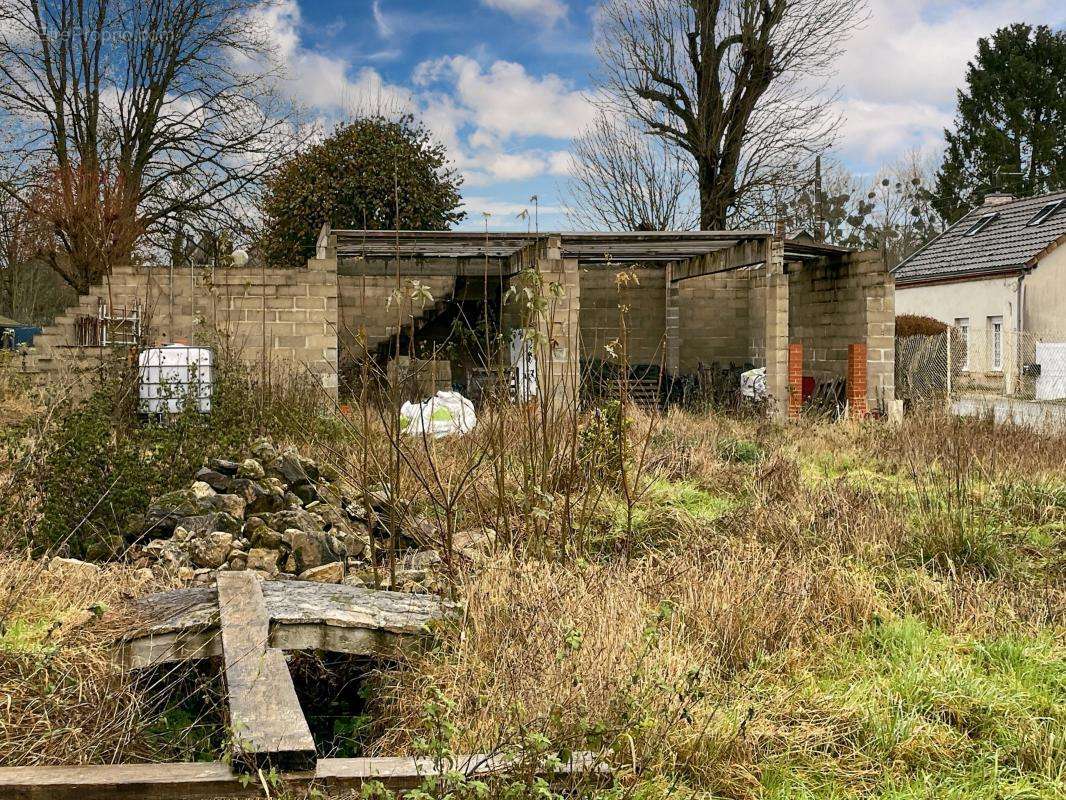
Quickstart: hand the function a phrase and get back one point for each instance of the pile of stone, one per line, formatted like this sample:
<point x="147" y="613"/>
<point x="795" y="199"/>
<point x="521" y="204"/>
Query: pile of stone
<point x="286" y="516"/>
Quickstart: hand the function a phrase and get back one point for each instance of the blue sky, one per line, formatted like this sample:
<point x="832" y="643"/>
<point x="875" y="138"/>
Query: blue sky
<point x="504" y="83"/>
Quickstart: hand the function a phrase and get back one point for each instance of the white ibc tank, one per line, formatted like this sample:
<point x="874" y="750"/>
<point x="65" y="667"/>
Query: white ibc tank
<point x="172" y="375"/>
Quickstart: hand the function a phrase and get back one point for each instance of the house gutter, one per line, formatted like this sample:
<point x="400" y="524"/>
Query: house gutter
<point x="962" y="276"/>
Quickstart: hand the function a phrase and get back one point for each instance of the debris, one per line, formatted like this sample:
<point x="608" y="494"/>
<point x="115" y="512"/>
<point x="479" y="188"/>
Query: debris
<point x="442" y="415"/>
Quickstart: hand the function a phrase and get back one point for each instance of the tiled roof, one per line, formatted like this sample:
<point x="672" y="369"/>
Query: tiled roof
<point x="1004" y="244"/>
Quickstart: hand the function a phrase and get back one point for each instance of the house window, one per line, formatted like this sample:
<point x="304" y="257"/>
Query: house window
<point x="962" y="328"/>
<point x="995" y="333"/>
<point x="1045" y="211"/>
<point x="980" y="224"/>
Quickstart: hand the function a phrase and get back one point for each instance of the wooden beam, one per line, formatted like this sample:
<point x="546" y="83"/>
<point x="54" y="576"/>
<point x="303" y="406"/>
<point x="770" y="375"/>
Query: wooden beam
<point x="382" y="266"/>
<point x="267" y="722"/>
<point x="122" y="782"/>
<point x="185" y="781"/>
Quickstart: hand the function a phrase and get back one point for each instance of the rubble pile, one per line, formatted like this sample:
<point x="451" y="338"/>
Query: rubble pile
<point x="284" y="515"/>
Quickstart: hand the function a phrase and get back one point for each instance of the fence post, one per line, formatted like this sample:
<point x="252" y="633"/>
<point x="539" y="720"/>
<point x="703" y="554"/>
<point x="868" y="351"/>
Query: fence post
<point x="948" y="333"/>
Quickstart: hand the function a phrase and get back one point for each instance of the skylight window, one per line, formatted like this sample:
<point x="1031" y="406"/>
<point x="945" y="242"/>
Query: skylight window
<point x="981" y="223"/>
<point x="1045" y="211"/>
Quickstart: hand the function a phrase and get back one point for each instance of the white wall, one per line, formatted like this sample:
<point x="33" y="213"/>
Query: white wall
<point x="976" y="300"/>
<point x="1045" y="297"/>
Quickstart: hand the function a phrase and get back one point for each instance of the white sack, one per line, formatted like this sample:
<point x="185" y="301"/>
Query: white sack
<point x="441" y="415"/>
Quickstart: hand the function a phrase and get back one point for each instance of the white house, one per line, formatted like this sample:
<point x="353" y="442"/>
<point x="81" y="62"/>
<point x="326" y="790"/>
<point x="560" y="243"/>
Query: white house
<point x="998" y="275"/>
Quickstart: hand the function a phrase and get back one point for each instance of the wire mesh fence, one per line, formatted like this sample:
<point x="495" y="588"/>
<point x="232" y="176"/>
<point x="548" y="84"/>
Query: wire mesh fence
<point x="1022" y="365"/>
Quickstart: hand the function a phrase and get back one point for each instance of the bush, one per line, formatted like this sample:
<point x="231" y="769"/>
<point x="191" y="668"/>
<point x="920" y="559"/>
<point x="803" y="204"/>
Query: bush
<point x="104" y="463"/>
<point x="915" y="325"/>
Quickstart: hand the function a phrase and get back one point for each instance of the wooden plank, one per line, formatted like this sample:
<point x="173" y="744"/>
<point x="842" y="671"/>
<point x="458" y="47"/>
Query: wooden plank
<point x="185" y="781"/>
<point x="265" y="715"/>
<point x="409" y="773"/>
<point x="122" y="782"/>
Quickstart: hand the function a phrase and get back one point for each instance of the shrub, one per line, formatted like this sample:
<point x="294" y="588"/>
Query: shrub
<point x="104" y="464"/>
<point x="915" y="325"/>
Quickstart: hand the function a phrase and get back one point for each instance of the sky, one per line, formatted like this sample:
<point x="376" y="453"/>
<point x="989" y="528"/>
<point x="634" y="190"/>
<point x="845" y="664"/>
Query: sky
<point x="506" y="84"/>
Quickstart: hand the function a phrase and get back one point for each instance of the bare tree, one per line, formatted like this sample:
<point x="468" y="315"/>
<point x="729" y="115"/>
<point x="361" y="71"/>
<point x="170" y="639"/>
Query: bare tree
<point x="168" y="105"/>
<point x="740" y="85"/>
<point x="622" y="179"/>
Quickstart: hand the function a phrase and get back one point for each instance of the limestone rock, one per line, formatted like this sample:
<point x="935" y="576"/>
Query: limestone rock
<point x="264" y="560"/>
<point x="263" y="449"/>
<point x="212" y="550"/>
<point x="297" y="518"/>
<point x="224" y="466"/>
<point x="218" y="481"/>
<point x="238" y="559"/>
<point x="475" y="542"/>
<point x="231" y="504"/>
<point x="421" y="560"/>
<point x="250" y="468"/>
<point x="74" y="567"/>
<point x="327" y="573"/>
<point x="164" y="512"/>
<point x="306" y="492"/>
<point x="201" y="490"/>
<point x="313" y="548"/>
<point x="270" y="538"/>
<point x="202" y="524"/>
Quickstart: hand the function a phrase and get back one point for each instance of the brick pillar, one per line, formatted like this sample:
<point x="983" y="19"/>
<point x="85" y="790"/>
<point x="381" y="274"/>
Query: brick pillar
<point x="795" y="379"/>
<point x="857" y="379"/>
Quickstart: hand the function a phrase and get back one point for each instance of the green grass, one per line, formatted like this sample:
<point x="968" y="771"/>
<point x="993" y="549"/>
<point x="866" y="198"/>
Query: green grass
<point x="907" y="711"/>
<point x="668" y="508"/>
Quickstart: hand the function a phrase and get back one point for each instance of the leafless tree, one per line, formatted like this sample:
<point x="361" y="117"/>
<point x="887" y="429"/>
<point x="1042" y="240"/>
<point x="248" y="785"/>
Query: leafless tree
<point x="168" y="105"/>
<point x="740" y="85"/>
<point x="622" y="179"/>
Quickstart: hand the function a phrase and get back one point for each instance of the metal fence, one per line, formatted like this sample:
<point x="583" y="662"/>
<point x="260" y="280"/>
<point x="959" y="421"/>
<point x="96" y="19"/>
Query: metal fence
<point x="990" y="363"/>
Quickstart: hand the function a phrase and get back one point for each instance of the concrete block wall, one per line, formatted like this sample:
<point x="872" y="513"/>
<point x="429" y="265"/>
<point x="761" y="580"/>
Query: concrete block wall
<point x="601" y="295"/>
<point x="294" y="311"/>
<point x="834" y="304"/>
<point x="715" y="316"/>
<point x="364" y="301"/>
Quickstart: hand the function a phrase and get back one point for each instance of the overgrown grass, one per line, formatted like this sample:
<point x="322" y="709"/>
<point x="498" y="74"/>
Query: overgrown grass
<point x="724" y="607"/>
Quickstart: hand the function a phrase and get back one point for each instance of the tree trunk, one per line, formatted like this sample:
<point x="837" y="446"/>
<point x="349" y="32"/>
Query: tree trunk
<point x="713" y="207"/>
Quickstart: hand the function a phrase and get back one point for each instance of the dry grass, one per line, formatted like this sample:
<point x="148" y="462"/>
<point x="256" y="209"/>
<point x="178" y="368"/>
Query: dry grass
<point x="65" y="700"/>
<point x="818" y="610"/>
<point x="729" y="652"/>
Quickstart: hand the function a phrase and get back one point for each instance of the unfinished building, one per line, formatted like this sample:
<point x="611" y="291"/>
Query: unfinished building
<point x="683" y="303"/>
<point x="688" y="302"/>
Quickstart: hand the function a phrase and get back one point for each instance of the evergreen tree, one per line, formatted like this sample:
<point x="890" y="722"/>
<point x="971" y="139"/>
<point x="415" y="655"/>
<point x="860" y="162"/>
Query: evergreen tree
<point x="1010" y="121"/>
<point x="350" y="181"/>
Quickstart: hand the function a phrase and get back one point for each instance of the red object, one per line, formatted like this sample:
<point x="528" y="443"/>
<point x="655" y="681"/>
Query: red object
<point x="795" y="379"/>
<point x="857" y="379"/>
<point x="808" y="386"/>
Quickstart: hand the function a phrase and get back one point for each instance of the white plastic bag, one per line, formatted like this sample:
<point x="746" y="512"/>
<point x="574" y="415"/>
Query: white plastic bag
<point x="441" y="415"/>
<point x="753" y="383"/>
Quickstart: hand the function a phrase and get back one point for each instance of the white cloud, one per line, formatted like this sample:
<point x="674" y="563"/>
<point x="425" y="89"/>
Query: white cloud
<point x="505" y="100"/>
<point x="900" y="72"/>
<point x="383" y="26"/>
<point x="503" y="213"/>
<point x="550" y="11"/>
<point x="916" y="50"/>
<point x="321" y="81"/>
<point x="879" y="132"/>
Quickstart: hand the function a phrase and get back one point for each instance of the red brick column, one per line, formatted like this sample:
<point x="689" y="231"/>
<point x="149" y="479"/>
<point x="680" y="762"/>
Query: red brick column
<point x="795" y="379"/>
<point x="857" y="379"/>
